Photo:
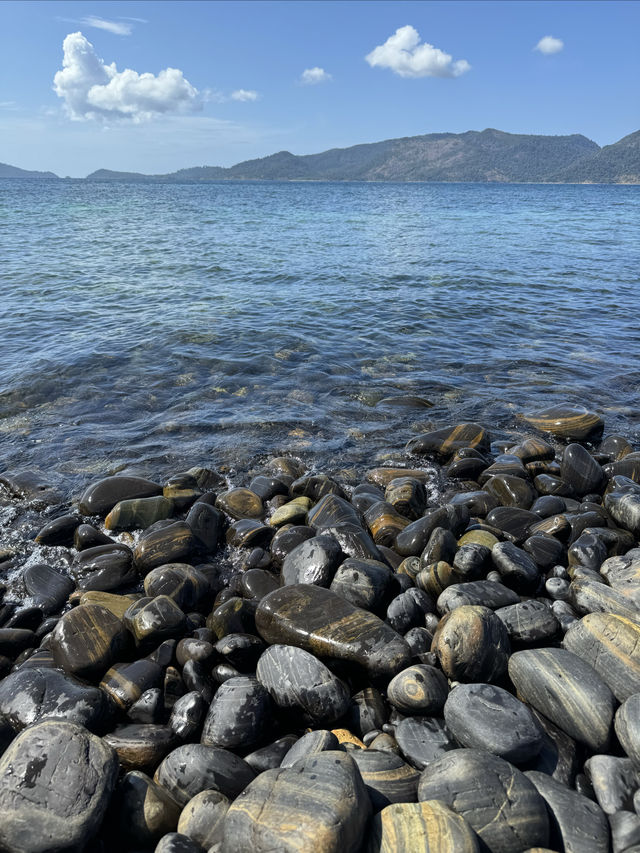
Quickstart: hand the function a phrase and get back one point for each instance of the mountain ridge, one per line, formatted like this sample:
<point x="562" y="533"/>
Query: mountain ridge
<point x="487" y="156"/>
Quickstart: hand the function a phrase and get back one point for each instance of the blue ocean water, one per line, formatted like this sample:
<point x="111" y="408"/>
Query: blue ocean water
<point x="163" y="325"/>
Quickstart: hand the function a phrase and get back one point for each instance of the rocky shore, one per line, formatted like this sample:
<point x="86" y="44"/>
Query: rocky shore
<point x="326" y="662"/>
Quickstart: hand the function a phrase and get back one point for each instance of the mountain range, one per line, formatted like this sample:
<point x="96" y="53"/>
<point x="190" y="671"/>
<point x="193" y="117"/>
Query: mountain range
<point x="485" y="156"/>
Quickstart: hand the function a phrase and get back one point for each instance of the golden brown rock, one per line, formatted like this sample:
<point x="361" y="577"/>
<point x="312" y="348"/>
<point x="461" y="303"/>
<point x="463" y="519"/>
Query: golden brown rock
<point x="428" y="827"/>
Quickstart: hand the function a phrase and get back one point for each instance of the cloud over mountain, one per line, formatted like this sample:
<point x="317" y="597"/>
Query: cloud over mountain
<point x="93" y="90"/>
<point x="406" y="56"/>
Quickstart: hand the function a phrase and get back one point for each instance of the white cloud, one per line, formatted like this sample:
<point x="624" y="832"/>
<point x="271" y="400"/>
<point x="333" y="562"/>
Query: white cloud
<point x="313" y="76"/>
<point x="93" y="90"/>
<point x="403" y="54"/>
<point x="244" y="95"/>
<point x="116" y="27"/>
<point x="549" y="44"/>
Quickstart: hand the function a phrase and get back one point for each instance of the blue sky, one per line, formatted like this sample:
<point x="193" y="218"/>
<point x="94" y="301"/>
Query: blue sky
<point x="157" y="86"/>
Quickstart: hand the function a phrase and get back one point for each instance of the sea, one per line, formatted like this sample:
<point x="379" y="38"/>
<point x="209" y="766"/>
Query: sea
<point x="150" y="327"/>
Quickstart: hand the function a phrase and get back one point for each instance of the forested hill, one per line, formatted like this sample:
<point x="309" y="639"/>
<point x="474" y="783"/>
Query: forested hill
<point x="614" y="164"/>
<point x="7" y="171"/>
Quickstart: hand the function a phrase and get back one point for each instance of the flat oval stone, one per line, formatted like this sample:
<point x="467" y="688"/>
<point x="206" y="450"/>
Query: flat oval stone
<point x="444" y="442"/>
<point x="611" y="645"/>
<point x="172" y="543"/>
<point x="240" y="503"/>
<point x="418" y="690"/>
<point x="423" y="740"/>
<point x="476" y="593"/>
<point x="291" y="512"/>
<point x="187" y="715"/>
<point x="87" y="640"/>
<point x="297" y="679"/>
<point x="194" y="767"/>
<point x="627" y="726"/>
<point x="566" y="421"/>
<point x="139" y="513"/>
<point x="59" y="531"/>
<point x="238" y="715"/>
<point x="567" y="691"/>
<point x="384" y="523"/>
<point x="472" y="644"/>
<point x="413" y="539"/>
<point x="483" y="716"/>
<point x="578" y="824"/>
<point x="497" y="800"/>
<point x="589" y="596"/>
<point x="102" y="496"/>
<point x="510" y="490"/>
<point x="48" y="586"/>
<point x="387" y="778"/>
<point x="419" y="828"/>
<point x="126" y="682"/>
<point x="28" y="696"/>
<point x="104" y="568"/>
<point x="202" y="818"/>
<point x="529" y="621"/>
<point x="364" y="583"/>
<point x="581" y="471"/>
<point x="324" y="624"/>
<point x="315" y="486"/>
<point x="155" y="621"/>
<point x="180" y="582"/>
<point x="330" y="510"/>
<point x="141" y="746"/>
<point x="320" y="804"/>
<point x="55" y="783"/>
<point x="407" y="496"/>
<point x="515" y="566"/>
<point x="312" y="562"/>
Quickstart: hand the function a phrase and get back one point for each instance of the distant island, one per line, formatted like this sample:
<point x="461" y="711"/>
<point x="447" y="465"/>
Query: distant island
<point x="482" y="156"/>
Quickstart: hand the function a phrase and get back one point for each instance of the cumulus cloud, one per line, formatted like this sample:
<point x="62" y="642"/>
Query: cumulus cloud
<point x="404" y="55"/>
<point x="244" y="95"/>
<point x="313" y="76"/>
<point x="93" y="90"/>
<point x="549" y="44"/>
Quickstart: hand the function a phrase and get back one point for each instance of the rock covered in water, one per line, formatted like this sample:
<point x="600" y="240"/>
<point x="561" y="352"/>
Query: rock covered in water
<point x="101" y="497"/>
<point x="566" y="421"/>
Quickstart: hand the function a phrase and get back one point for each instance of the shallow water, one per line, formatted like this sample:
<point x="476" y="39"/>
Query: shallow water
<point x="160" y="326"/>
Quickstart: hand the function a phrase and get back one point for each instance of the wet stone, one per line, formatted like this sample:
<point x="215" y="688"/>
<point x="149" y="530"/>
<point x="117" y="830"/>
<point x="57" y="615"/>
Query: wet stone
<point x="296" y="679"/>
<point x="423" y="740"/>
<point x="529" y="622"/>
<point x="627" y="726"/>
<point x="116" y="604"/>
<point x="515" y="566"/>
<point x="611" y="645"/>
<point x="477" y="593"/>
<point x="101" y="497"/>
<point x="483" y="716"/>
<point x="55" y="783"/>
<point x="387" y="778"/>
<point x="623" y="574"/>
<point x="479" y="503"/>
<point x="442" y="546"/>
<point x="239" y="714"/>
<point x="408" y="610"/>
<point x="324" y="624"/>
<point x="384" y="523"/>
<point x="241" y="650"/>
<point x="577" y="824"/>
<point x="472" y="561"/>
<point x="141" y="746"/>
<point x="240" y="503"/>
<point x="249" y="533"/>
<point x="472" y="644"/>
<point x="86" y="536"/>
<point x="207" y="525"/>
<point x="566" y="421"/>
<point x="505" y="810"/>
<point x="332" y="509"/>
<point x="256" y="583"/>
<point x="104" y="568"/>
<point x="418" y="690"/>
<point x="420" y="827"/>
<point x="88" y="640"/>
<point x="125" y="683"/>
<point x="319" y="804"/>
<point x="383" y="476"/>
<point x="287" y="539"/>
<point x="311" y="743"/>
<point x="138" y="513"/>
<point x="269" y="757"/>
<point x="590" y="596"/>
<point x="30" y="695"/>
<point x="291" y="512"/>
<point x="172" y="543"/>
<point x="48" y="587"/>
<point x="567" y="691"/>
<point x="145" y="811"/>
<point x="180" y="582"/>
<point x="149" y="708"/>
<point x="235" y="616"/>
<point x="407" y="496"/>
<point x="312" y="562"/>
<point x="194" y="767"/>
<point x="412" y="541"/>
<point x="157" y="620"/>
<point x="443" y="443"/>
<point x="624" y="508"/>
<point x="510" y="490"/>
<point x="544" y="550"/>
<point x="202" y="818"/>
<point x="581" y="471"/>
<point x="59" y="531"/>
<point x="362" y="582"/>
<point x="315" y="486"/>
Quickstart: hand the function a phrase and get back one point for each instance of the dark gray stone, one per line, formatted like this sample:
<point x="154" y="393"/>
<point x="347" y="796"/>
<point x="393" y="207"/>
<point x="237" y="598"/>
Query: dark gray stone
<point x="238" y="715"/>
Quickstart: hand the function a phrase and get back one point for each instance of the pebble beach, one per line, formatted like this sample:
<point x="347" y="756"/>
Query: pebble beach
<point x="436" y="654"/>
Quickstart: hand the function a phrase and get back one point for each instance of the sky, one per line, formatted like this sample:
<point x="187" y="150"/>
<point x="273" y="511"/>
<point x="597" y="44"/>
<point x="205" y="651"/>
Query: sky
<point x="158" y="86"/>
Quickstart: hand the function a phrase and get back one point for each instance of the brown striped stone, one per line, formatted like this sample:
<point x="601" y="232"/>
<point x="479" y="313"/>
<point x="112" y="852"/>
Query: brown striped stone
<point x="444" y="442"/>
<point x="574" y="423"/>
<point x="87" y="640"/>
<point x="420" y="828"/>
